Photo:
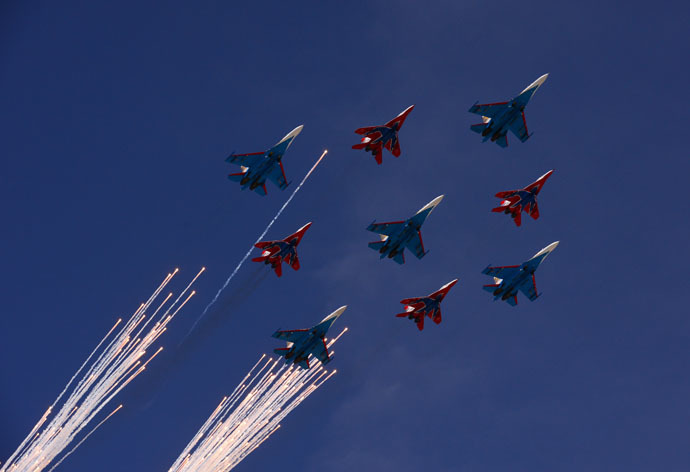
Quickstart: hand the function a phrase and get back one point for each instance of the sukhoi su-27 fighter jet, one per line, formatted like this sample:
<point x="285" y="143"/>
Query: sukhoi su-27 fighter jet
<point x="259" y="166"/>
<point x="509" y="279"/>
<point x="301" y="343"/>
<point x="398" y="235"/>
<point x="499" y="117"/>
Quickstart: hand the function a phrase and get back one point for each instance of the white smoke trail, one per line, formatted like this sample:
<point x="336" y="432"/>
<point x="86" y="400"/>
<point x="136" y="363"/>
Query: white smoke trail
<point x="246" y="256"/>
<point x="251" y="414"/>
<point x="115" y="366"/>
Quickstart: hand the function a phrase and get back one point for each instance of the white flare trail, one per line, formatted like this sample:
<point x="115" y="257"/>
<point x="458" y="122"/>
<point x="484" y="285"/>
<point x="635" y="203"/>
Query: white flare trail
<point x="261" y="236"/>
<point x="117" y="360"/>
<point x="251" y="414"/>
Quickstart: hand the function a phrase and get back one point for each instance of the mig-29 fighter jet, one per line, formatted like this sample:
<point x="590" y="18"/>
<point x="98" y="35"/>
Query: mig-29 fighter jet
<point x="377" y="137"/>
<point x="301" y="343"/>
<point x="417" y="308"/>
<point x="498" y="118"/>
<point x="509" y="279"/>
<point x="275" y="252"/>
<point x="397" y="235"/>
<point x="516" y="201"/>
<point x="259" y="166"/>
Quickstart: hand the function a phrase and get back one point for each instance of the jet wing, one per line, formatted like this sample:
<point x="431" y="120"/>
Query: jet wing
<point x="246" y="160"/>
<point x="504" y="272"/>
<point x="416" y="245"/>
<point x="530" y="289"/>
<point x="277" y="176"/>
<point x="387" y="229"/>
<point x="519" y="128"/>
<point x="366" y="130"/>
<point x="490" y="110"/>
<point x="291" y="336"/>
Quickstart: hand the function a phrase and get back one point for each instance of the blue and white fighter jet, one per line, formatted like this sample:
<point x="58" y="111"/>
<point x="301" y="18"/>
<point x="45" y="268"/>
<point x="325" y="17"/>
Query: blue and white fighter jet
<point x="509" y="279"/>
<point x="398" y="235"/>
<point x="259" y="166"/>
<point x="499" y="117"/>
<point x="301" y="343"/>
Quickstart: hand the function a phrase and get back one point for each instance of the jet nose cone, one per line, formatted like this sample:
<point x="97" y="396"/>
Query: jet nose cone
<point x="451" y="283"/>
<point x="292" y="134"/>
<point x="536" y="84"/>
<point x="552" y="246"/>
<point x="339" y="311"/>
<point x="334" y="316"/>
<point x="407" y="110"/>
<point x="548" y="249"/>
<point x="432" y="204"/>
<point x="541" y="80"/>
<point x="304" y="228"/>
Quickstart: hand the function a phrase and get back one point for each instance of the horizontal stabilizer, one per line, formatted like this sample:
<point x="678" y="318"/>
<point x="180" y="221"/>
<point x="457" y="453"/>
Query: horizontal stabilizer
<point x="281" y="351"/>
<point x="502" y="141"/>
<point x="490" y="288"/>
<point x="237" y="177"/>
<point x="479" y="127"/>
<point x="377" y="245"/>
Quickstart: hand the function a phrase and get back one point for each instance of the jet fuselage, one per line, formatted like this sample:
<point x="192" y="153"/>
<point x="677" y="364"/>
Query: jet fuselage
<point x="397" y="241"/>
<point x="499" y="125"/>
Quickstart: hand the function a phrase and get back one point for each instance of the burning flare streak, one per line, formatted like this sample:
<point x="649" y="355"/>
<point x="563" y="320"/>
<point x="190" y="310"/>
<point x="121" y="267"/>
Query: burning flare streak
<point x="251" y="414"/>
<point x="261" y="236"/>
<point x="114" y="366"/>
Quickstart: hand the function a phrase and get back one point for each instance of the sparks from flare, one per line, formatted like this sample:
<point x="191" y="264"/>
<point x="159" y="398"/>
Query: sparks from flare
<point x="117" y="360"/>
<point x="251" y="414"/>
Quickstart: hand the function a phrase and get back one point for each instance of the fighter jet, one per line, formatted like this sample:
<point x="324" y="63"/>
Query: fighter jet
<point x="509" y="279"/>
<point x="275" y="252"/>
<point x="417" y="308"/>
<point x="301" y="343"/>
<point x="516" y="201"/>
<point x="397" y="235"/>
<point x="377" y="137"/>
<point x="259" y="166"/>
<point x="498" y="118"/>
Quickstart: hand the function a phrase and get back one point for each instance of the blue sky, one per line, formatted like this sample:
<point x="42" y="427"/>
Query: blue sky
<point x="116" y="120"/>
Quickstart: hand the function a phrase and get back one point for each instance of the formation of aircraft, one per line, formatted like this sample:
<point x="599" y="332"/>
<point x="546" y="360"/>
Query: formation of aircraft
<point x="499" y="117"/>
<point x="378" y="137"/>
<point x="417" y="308"/>
<point x="302" y="343"/>
<point x="398" y="235"/>
<point x="516" y="201"/>
<point x="285" y="250"/>
<point x="508" y="280"/>
<point x="259" y="166"/>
